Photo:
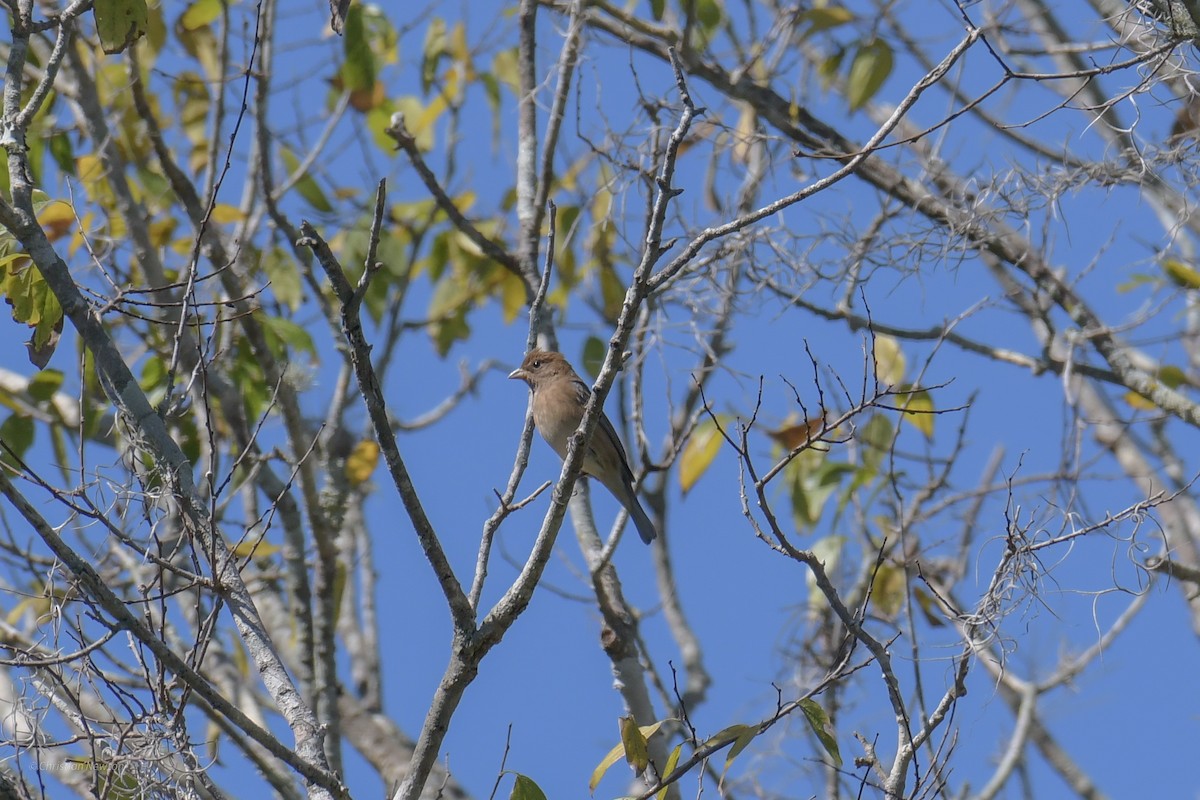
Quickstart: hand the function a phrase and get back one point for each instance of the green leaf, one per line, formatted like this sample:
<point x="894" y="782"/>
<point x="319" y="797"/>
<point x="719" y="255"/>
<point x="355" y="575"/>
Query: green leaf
<point x="62" y="453"/>
<point x="1171" y="376"/>
<point x="726" y="735"/>
<point x="454" y="294"/>
<point x="281" y="270"/>
<point x="708" y="14"/>
<point x="745" y="736"/>
<point x="305" y="185"/>
<point x="119" y="23"/>
<point x="612" y="293"/>
<point x="247" y="373"/>
<point x="813" y="480"/>
<point x="828" y="69"/>
<point x="827" y="550"/>
<point x="594" y="350"/>
<point x="741" y="735"/>
<point x="657" y="9"/>
<point x="432" y="52"/>
<point x="491" y="88"/>
<point x="289" y="333"/>
<point x="818" y="720"/>
<point x="341" y="575"/>
<point x="525" y="789"/>
<point x="44" y="384"/>
<point x="929" y="608"/>
<point x="154" y="379"/>
<point x="447" y="331"/>
<point x="62" y="152"/>
<point x="358" y="70"/>
<point x="378" y="120"/>
<point x="870" y="68"/>
<point x="564" y="233"/>
<point x="16" y="433"/>
<point x="876" y="440"/>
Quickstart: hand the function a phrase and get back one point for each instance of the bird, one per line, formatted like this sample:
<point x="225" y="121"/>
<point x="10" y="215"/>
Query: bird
<point x="559" y="399"/>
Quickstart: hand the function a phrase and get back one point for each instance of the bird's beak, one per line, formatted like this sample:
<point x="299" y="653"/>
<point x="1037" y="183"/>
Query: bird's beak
<point x="518" y="374"/>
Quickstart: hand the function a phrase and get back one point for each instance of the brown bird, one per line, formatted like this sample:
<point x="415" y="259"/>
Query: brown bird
<point x="559" y="398"/>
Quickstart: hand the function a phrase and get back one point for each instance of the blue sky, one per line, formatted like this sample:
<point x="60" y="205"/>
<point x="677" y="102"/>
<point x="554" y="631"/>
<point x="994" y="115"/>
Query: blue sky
<point x="549" y="680"/>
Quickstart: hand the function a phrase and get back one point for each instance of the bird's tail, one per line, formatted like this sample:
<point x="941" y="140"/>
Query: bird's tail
<point x="645" y="527"/>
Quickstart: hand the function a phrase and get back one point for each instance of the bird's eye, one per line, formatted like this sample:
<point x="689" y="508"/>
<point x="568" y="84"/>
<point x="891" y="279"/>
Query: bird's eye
<point x="537" y="363"/>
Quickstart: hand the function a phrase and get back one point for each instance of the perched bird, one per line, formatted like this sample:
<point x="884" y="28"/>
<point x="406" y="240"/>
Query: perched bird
<point x="559" y="398"/>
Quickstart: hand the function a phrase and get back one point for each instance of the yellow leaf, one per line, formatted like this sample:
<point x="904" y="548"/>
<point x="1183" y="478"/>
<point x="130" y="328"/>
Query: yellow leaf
<point x="512" y="296"/>
<point x="612" y="292"/>
<point x="199" y="14"/>
<point x="823" y="18"/>
<point x="225" y="214"/>
<point x="698" y="454"/>
<point x="888" y="590"/>
<point x="918" y="411"/>
<point x="1139" y="402"/>
<point x="420" y="118"/>
<point x="212" y="736"/>
<point x="161" y="231"/>
<point x="78" y="238"/>
<point x="57" y="218"/>
<point x="1181" y="273"/>
<point x="463" y="201"/>
<point x="456" y="44"/>
<point x="617" y="752"/>
<point x="505" y="68"/>
<point x="637" y="753"/>
<point x="18" y="611"/>
<point x="90" y="170"/>
<point x="745" y="134"/>
<point x="889" y="361"/>
<point x="360" y="464"/>
<point x="672" y="760"/>
<point x="255" y="549"/>
<point x="1170" y="376"/>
